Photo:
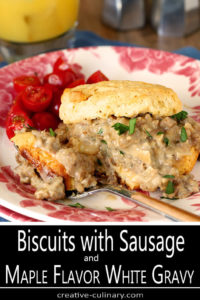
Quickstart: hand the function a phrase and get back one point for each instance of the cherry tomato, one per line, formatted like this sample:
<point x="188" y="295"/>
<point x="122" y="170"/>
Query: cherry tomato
<point x="60" y="65"/>
<point x="67" y="76"/>
<point x="37" y="98"/>
<point x="18" y="99"/>
<point x="21" y="82"/>
<point x="45" y="120"/>
<point x="60" y="79"/>
<point x="56" y="102"/>
<point x="53" y="80"/>
<point x="97" y="77"/>
<point x="61" y="68"/>
<point x="19" y="103"/>
<point x="16" y="120"/>
<point x="76" y="83"/>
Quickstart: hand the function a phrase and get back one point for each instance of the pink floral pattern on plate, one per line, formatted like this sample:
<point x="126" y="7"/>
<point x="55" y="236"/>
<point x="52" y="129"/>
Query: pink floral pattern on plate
<point x="115" y="62"/>
<point x="160" y="62"/>
<point x="14" y="216"/>
<point x="60" y="211"/>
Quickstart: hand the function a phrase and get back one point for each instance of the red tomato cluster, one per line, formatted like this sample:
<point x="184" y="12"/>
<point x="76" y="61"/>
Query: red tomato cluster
<point x="37" y="103"/>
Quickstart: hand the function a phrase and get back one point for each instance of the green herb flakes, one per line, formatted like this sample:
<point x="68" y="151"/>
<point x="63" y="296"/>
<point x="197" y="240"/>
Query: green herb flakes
<point x="169" y="188"/>
<point x="120" y="128"/>
<point x="110" y="208"/>
<point x="183" y="135"/>
<point x="182" y="115"/>
<point x="99" y="162"/>
<point x="168" y="176"/>
<point x="104" y="142"/>
<point x="160" y="132"/>
<point x="29" y="127"/>
<point x="169" y="198"/>
<point x="132" y="123"/>
<point x="121" y="152"/>
<point x="166" y="141"/>
<point x="77" y="205"/>
<point x="52" y="133"/>
<point x="100" y="131"/>
<point x="148" y="134"/>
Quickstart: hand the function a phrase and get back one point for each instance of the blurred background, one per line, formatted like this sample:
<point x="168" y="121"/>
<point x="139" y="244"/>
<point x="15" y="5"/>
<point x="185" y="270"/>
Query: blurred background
<point x="47" y="25"/>
<point x="90" y="18"/>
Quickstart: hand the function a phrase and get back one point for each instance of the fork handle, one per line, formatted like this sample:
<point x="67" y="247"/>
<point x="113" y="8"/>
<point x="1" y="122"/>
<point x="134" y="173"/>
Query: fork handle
<point x="156" y="205"/>
<point x="166" y="208"/>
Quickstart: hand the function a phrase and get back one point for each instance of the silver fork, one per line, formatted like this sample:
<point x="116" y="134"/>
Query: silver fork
<point x="158" y="206"/>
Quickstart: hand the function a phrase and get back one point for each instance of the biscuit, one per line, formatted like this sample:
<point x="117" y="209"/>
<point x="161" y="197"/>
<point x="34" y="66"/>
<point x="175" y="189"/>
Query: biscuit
<point x="187" y="162"/>
<point x="41" y="159"/>
<point x="133" y="181"/>
<point x="117" y="98"/>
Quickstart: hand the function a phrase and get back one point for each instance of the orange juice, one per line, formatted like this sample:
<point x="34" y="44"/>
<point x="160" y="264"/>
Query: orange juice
<point x="36" y="20"/>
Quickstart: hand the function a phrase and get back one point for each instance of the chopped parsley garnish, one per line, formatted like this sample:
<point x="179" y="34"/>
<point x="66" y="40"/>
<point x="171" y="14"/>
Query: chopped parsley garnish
<point x="77" y="205"/>
<point x="121" y="128"/>
<point x="132" y="123"/>
<point x="169" y="187"/>
<point x="121" y="152"/>
<point x="160" y="132"/>
<point x="29" y="127"/>
<point x="148" y="134"/>
<point x="169" y="198"/>
<point x="104" y="142"/>
<point x="166" y="141"/>
<point x="125" y="192"/>
<point x="168" y="176"/>
<point x="100" y="131"/>
<point x="182" y="115"/>
<point x="99" y="162"/>
<point x="52" y="133"/>
<point x="110" y="208"/>
<point x="183" y="135"/>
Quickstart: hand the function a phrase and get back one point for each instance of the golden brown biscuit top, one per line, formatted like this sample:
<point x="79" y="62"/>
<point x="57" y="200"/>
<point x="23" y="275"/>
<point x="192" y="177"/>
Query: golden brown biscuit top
<point x="120" y="98"/>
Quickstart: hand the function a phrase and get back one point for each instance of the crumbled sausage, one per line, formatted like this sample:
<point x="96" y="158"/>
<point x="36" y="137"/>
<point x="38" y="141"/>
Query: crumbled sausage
<point x="150" y="152"/>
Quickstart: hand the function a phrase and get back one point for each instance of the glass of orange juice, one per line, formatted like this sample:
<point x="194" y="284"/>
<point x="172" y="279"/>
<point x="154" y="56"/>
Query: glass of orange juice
<point x="29" y="27"/>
